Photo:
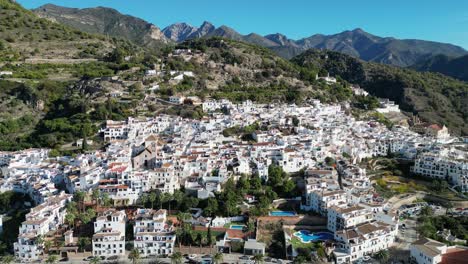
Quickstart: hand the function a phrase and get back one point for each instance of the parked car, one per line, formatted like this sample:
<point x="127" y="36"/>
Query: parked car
<point x="88" y="258"/>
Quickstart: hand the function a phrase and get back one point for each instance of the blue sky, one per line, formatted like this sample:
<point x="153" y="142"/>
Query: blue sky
<point x="436" y="20"/>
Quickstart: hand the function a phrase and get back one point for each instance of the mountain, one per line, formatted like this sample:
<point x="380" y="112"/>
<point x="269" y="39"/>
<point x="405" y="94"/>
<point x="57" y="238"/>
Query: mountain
<point x="24" y="35"/>
<point x="105" y="21"/>
<point x="179" y="32"/>
<point x="205" y="29"/>
<point x="454" y="67"/>
<point x="368" y="47"/>
<point x="357" y="42"/>
<point x="432" y="96"/>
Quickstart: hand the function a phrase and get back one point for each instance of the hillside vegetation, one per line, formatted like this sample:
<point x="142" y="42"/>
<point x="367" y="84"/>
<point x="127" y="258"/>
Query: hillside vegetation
<point x="240" y="71"/>
<point x="434" y="97"/>
<point x="454" y="67"/>
<point x="23" y="35"/>
<point x="106" y="21"/>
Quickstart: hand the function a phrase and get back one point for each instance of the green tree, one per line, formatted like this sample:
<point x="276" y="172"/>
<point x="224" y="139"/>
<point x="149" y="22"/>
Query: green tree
<point x="7" y="259"/>
<point x="79" y="197"/>
<point x="47" y="245"/>
<point x="95" y="260"/>
<point x="70" y="219"/>
<point x="199" y="239"/>
<point x="258" y="258"/>
<point x="83" y="243"/>
<point x="382" y="256"/>
<point x="295" y="121"/>
<point x="177" y="258"/>
<point x="218" y="258"/>
<point x="209" y="237"/>
<point x="152" y="198"/>
<point x="179" y="236"/>
<point x="143" y="199"/>
<point x="105" y="199"/>
<point x="52" y="259"/>
<point x="211" y="207"/>
<point x="329" y="161"/>
<point x="134" y="256"/>
<point x="251" y="226"/>
<point x="300" y="260"/>
<point x="95" y="195"/>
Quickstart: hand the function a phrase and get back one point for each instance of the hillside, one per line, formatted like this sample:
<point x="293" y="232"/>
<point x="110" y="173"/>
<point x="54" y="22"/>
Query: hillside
<point x="357" y="43"/>
<point x="236" y="70"/>
<point x="453" y="67"/>
<point x="23" y="35"/>
<point x="106" y="21"/>
<point x="434" y="97"/>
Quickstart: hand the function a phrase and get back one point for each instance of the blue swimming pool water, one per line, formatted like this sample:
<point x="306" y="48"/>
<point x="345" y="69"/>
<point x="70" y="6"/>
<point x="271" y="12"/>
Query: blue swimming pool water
<point x="307" y="236"/>
<point x="237" y="227"/>
<point x="282" y="213"/>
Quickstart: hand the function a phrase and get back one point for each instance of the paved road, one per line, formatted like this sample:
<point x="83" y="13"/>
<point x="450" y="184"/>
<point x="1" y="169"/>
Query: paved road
<point x="408" y="235"/>
<point x="227" y="258"/>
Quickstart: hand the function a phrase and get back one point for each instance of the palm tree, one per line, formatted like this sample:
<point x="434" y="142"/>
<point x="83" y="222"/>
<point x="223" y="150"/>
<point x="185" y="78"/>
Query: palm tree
<point x="83" y="243"/>
<point x="47" y="245"/>
<point x="152" y="198"/>
<point x="40" y="240"/>
<point x="95" y="260"/>
<point x="95" y="196"/>
<point x="382" y="255"/>
<point x="186" y="232"/>
<point x="134" y="256"/>
<point x="70" y="219"/>
<point x="300" y="259"/>
<point x="52" y="259"/>
<point x="251" y="227"/>
<point x="448" y="207"/>
<point x="179" y="234"/>
<point x="105" y="199"/>
<point x="176" y="258"/>
<point x="79" y="198"/>
<point x="143" y="199"/>
<point x="165" y="197"/>
<point x="199" y="239"/>
<point x="218" y="257"/>
<point x="258" y="258"/>
<point x="7" y="259"/>
<point x="59" y="244"/>
<point x="209" y="238"/>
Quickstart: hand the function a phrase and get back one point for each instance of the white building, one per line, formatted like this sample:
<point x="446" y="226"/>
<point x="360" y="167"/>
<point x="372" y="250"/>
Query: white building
<point x="387" y="106"/>
<point x="343" y="217"/>
<point x="154" y="236"/>
<point x="428" y="251"/>
<point x="444" y="164"/>
<point x="365" y="239"/>
<point x="320" y="200"/>
<point x="40" y="220"/>
<point x="327" y="79"/>
<point x="109" y="234"/>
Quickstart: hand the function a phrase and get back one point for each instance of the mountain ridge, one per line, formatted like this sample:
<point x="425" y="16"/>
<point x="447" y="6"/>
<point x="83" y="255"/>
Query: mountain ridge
<point x="356" y="42"/>
<point x="454" y="67"/>
<point x="104" y="20"/>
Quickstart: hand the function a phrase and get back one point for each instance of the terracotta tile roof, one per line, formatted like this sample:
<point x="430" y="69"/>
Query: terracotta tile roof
<point x="455" y="256"/>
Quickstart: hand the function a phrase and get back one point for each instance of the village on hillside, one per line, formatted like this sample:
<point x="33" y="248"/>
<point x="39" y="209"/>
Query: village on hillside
<point x="247" y="183"/>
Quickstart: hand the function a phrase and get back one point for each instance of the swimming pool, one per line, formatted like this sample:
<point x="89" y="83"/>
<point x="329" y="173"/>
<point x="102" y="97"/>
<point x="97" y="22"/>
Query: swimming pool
<point x="237" y="227"/>
<point x="307" y="236"/>
<point x="282" y="213"/>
